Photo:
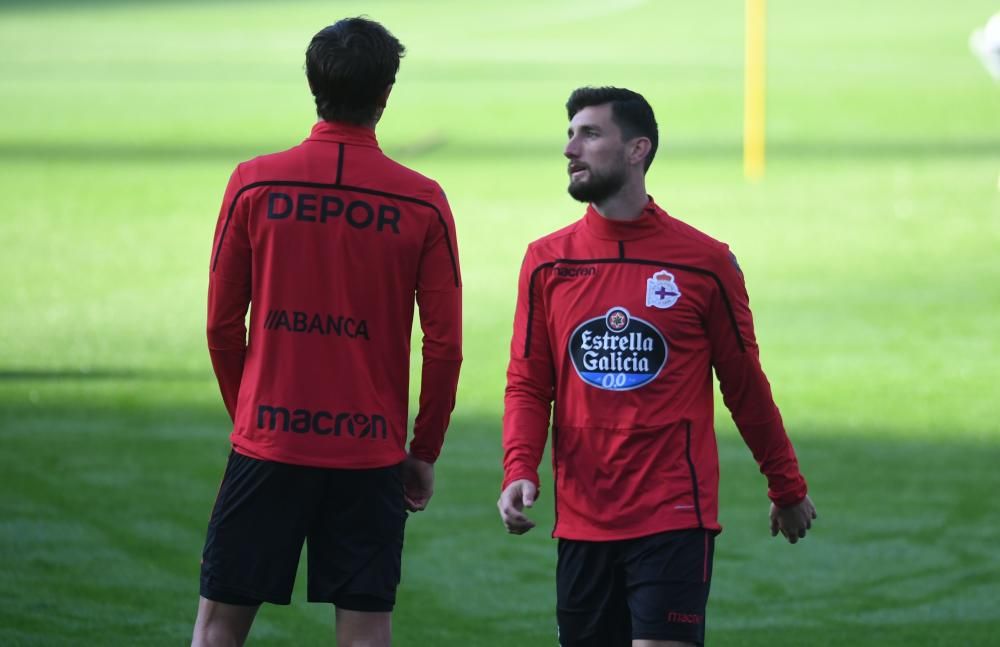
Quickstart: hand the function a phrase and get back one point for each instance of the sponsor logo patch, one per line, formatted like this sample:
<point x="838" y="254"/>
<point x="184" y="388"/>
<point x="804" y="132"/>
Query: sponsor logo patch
<point x="316" y="323"/>
<point x="661" y="290"/>
<point x="617" y="351"/>
<point x="324" y="423"/>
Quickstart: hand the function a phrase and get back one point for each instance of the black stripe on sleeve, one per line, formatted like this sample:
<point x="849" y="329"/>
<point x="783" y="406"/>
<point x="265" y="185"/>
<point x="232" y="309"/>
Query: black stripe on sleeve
<point x="343" y="187"/>
<point x="621" y="249"/>
<point x="531" y="306"/>
<point x="451" y="252"/>
<point x="225" y="227"/>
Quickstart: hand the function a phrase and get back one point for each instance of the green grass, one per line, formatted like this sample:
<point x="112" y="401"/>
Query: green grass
<point x="870" y="251"/>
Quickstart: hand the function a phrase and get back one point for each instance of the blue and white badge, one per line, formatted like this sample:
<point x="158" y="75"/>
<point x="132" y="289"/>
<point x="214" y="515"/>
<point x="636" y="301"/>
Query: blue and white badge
<point x="661" y="290"/>
<point x="617" y="351"/>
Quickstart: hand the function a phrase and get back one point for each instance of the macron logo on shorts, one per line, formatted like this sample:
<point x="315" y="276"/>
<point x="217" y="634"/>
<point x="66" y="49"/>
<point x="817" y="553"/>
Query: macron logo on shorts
<point x="685" y="618"/>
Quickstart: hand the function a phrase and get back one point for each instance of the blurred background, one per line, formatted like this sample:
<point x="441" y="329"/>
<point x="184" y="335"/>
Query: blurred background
<point x="870" y="249"/>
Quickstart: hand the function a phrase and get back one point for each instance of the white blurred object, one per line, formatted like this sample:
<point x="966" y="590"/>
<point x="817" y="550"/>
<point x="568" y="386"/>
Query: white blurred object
<point x="985" y="43"/>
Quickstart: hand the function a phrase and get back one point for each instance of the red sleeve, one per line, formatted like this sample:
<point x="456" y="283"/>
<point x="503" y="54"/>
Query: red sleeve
<point x="439" y="300"/>
<point x="229" y="294"/>
<point x="530" y="382"/>
<point x="745" y="388"/>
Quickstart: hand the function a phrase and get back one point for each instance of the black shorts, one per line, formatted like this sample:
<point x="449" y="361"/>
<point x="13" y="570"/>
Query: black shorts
<point x="352" y="519"/>
<point x="652" y="588"/>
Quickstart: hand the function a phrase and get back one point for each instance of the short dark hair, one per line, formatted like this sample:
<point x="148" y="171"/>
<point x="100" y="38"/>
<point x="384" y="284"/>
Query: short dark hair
<point x="629" y="110"/>
<point x="349" y="65"/>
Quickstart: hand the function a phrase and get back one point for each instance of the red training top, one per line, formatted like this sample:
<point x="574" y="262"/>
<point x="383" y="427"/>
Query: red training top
<point x="330" y="241"/>
<point x="621" y="324"/>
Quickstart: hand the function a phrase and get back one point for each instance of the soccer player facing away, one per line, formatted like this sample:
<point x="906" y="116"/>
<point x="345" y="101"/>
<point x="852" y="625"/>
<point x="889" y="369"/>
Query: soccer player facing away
<point x="621" y="318"/>
<point x="330" y="241"/>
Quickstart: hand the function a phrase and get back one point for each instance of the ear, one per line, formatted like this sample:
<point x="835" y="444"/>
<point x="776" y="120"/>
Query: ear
<point x="639" y="149"/>
<point x="384" y="97"/>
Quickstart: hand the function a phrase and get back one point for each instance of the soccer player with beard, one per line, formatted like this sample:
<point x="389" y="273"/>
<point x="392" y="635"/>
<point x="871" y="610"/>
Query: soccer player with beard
<point x="621" y="318"/>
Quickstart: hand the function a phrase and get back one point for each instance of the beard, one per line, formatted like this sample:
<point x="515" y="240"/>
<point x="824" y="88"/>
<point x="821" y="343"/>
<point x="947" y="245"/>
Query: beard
<point x="599" y="186"/>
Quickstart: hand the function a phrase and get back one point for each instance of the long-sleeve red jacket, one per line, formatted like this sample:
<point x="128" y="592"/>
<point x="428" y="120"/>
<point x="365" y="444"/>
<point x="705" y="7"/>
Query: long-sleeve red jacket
<point x="331" y="241"/>
<point x="620" y="324"/>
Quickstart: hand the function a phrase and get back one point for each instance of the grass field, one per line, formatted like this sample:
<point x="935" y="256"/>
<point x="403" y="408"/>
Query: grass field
<point x="871" y="249"/>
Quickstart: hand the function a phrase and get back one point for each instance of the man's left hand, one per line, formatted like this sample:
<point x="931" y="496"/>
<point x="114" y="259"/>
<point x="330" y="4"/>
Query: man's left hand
<point x="793" y="521"/>
<point x="418" y="483"/>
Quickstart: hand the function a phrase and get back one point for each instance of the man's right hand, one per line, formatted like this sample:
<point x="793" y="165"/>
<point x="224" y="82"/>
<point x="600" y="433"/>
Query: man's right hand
<point x="514" y="499"/>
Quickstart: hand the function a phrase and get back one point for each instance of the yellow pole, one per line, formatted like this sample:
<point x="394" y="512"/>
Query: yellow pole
<point x="753" y="89"/>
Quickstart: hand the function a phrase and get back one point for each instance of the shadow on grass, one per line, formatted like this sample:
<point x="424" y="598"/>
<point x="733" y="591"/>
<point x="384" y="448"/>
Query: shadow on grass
<point x="106" y="494"/>
<point x="55" y="5"/>
<point x="832" y="149"/>
<point x="124" y="375"/>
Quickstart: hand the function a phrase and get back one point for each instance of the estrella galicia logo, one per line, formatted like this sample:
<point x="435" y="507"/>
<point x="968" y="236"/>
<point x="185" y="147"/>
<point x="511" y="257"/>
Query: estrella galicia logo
<point x="617" y="351"/>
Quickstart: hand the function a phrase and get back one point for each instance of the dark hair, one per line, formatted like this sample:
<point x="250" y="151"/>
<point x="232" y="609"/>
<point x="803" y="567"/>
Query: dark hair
<point x="349" y="65"/>
<point x="629" y="110"/>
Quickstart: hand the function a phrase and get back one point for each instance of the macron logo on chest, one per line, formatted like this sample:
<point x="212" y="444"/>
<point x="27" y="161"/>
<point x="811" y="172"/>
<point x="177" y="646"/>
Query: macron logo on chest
<point x="322" y="209"/>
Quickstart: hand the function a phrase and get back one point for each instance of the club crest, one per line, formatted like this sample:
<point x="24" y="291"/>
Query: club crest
<point x="661" y="290"/>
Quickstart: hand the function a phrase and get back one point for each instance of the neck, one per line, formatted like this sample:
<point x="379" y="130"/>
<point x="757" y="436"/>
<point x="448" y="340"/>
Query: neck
<point x="369" y="125"/>
<point x="627" y="204"/>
